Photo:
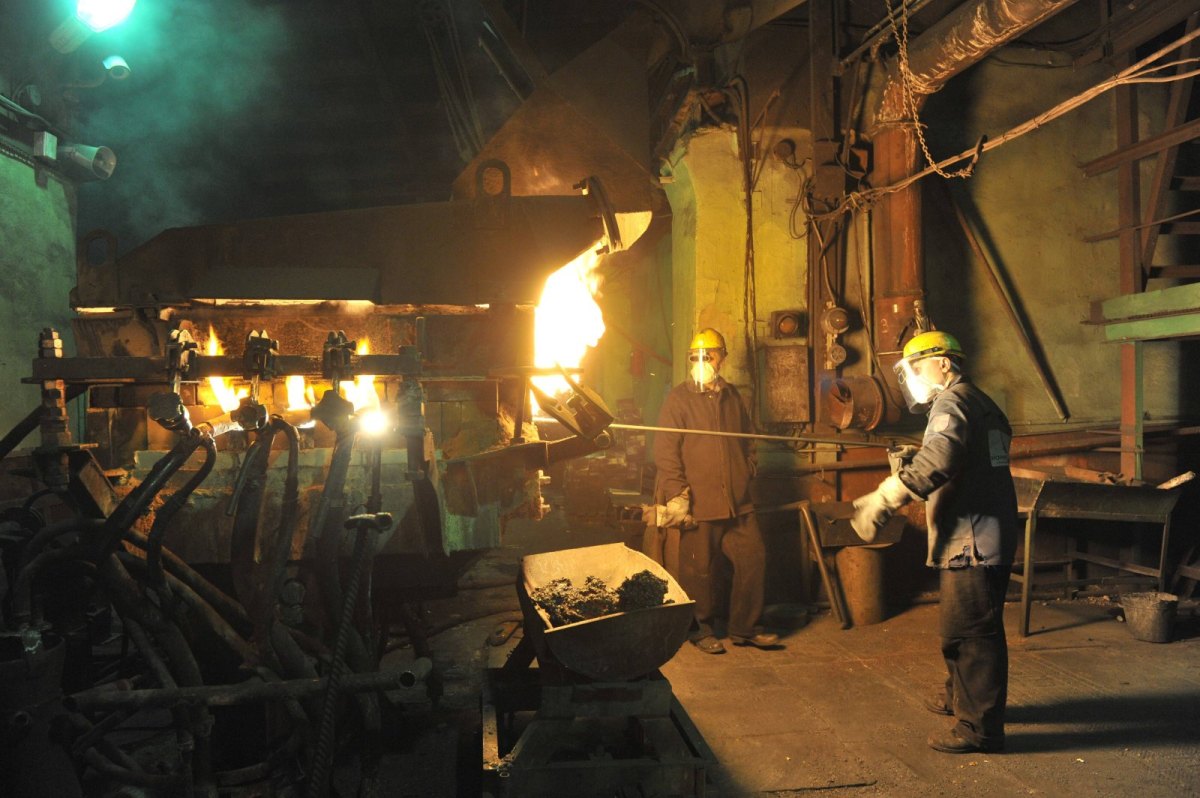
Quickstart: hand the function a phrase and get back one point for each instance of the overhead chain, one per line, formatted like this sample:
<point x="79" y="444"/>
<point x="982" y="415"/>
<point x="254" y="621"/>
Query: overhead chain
<point x="900" y="32"/>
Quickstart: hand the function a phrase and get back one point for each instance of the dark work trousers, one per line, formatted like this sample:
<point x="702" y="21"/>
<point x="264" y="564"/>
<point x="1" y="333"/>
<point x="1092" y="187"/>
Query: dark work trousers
<point x="741" y="542"/>
<point x="975" y="649"/>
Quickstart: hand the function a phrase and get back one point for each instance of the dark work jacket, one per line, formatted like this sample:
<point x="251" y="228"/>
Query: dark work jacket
<point x="717" y="469"/>
<point x="962" y="472"/>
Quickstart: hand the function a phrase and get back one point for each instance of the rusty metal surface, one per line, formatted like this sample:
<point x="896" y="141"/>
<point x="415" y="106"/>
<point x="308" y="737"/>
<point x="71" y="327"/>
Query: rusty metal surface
<point x="964" y="36"/>
<point x="1090" y="501"/>
<point x="129" y="370"/>
<point x="456" y="253"/>
<point x="785" y="377"/>
<point x="833" y="526"/>
<point x="614" y="647"/>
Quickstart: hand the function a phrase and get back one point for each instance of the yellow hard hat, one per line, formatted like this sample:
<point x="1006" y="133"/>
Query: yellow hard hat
<point x="934" y="343"/>
<point x="708" y="338"/>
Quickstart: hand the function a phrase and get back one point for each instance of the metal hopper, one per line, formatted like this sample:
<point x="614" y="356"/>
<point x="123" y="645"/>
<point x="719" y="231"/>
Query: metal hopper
<point x="615" y="647"/>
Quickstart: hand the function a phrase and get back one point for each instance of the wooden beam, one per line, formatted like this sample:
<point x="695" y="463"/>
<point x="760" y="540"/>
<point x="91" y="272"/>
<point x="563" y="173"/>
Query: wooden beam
<point x="1177" y="108"/>
<point x="1163" y="328"/>
<point x="1140" y="149"/>
<point x="1165" y="301"/>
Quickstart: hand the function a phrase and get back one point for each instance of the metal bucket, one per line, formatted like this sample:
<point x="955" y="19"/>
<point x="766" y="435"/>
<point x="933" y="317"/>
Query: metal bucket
<point x="1150" y="616"/>
<point x="617" y="647"/>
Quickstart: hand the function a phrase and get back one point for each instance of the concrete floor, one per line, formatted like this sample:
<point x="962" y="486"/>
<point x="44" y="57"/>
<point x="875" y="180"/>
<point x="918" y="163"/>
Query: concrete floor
<point x="1092" y="711"/>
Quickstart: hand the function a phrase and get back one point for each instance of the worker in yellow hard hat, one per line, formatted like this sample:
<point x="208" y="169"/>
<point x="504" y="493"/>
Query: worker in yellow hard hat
<point x="961" y="472"/>
<point x="702" y="490"/>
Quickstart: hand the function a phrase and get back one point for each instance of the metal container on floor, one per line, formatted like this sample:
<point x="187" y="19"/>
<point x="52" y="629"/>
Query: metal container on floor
<point x="617" y="647"/>
<point x="1150" y="616"/>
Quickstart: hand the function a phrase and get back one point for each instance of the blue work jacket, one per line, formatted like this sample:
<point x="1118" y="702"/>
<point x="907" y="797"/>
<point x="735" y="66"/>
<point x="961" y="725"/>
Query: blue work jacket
<point x="962" y="473"/>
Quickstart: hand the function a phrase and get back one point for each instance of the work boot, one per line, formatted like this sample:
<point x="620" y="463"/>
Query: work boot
<point x="759" y="639"/>
<point x="709" y="645"/>
<point x="951" y="743"/>
<point x="937" y="705"/>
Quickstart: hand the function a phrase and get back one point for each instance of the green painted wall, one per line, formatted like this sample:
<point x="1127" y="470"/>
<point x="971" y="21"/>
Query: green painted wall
<point x="37" y="260"/>
<point x="709" y="245"/>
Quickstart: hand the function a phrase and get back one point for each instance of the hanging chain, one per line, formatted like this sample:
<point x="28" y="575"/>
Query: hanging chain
<point x="900" y="32"/>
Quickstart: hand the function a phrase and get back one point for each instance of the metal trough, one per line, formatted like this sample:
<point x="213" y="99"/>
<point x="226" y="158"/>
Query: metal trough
<point x="615" y="647"/>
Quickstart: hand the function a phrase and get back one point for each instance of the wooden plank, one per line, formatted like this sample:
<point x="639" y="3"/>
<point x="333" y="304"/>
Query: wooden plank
<point x="1178" y="299"/>
<point x="1140" y="149"/>
<point x="1182" y="326"/>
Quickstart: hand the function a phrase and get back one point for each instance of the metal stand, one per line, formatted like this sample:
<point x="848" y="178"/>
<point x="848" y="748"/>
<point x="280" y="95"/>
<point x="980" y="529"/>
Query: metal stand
<point x="586" y="738"/>
<point x="1087" y="501"/>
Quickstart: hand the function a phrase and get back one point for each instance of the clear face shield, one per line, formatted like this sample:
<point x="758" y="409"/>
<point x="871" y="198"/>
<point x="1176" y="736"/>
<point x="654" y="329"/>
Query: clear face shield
<point x="702" y="367"/>
<point x="920" y="381"/>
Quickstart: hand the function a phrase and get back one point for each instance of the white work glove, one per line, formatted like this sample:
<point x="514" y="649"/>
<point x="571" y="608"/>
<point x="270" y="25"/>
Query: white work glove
<point x="872" y="511"/>
<point x="677" y="512"/>
<point x="899" y="456"/>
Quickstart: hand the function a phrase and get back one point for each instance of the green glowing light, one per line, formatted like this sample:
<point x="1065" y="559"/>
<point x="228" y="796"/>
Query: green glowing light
<point x="100" y="15"/>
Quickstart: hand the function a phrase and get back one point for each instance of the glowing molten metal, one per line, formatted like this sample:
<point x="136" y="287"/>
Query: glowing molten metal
<point x="567" y="321"/>
<point x="361" y="393"/>
<point x="222" y="387"/>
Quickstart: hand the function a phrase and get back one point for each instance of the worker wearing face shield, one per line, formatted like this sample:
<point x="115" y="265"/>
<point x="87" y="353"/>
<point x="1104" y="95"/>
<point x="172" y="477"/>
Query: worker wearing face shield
<point x="961" y="472"/>
<point x="703" y="489"/>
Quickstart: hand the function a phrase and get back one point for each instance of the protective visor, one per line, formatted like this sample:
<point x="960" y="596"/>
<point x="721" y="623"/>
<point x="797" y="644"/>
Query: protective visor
<point x="918" y="392"/>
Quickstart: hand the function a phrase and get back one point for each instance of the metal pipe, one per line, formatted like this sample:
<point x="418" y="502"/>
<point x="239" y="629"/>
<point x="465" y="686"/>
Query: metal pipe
<point x="123" y="590"/>
<point x="275" y="565"/>
<point x="756" y="436"/>
<point x="955" y="42"/>
<point x="133" y="506"/>
<point x="323" y="751"/>
<point x="326" y="522"/>
<point x="247" y="512"/>
<point x="966" y="35"/>
<point x="167" y="511"/>
<point x="34" y="559"/>
<point x="22" y="428"/>
<point x="196" y="603"/>
<point x="417" y="672"/>
<point x="228" y="695"/>
<point x="226" y="606"/>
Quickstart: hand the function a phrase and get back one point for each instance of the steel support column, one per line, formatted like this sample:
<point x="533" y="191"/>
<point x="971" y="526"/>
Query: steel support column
<point x="1132" y="280"/>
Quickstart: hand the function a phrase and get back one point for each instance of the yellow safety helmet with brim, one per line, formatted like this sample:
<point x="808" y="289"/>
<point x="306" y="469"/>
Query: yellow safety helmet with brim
<point x="934" y="343"/>
<point x="917" y="389"/>
<point x="708" y="338"/>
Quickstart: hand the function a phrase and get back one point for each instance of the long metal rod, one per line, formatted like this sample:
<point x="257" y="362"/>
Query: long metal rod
<point x="761" y="437"/>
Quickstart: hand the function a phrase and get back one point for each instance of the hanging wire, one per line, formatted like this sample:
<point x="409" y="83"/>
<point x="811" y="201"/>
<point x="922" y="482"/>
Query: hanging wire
<point x="1135" y="74"/>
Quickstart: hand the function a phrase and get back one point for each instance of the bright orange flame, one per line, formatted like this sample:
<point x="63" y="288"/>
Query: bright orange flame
<point x="222" y="387"/>
<point x="297" y="395"/>
<point x="567" y="321"/>
<point x="361" y="393"/>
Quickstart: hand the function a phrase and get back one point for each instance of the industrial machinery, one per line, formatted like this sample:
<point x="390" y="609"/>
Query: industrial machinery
<point x="218" y="561"/>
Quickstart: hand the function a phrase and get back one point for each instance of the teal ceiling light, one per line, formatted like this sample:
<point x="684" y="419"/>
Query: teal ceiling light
<point x="91" y="16"/>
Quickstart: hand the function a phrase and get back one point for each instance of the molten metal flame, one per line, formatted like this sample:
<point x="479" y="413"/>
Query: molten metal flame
<point x="361" y="393"/>
<point x="297" y="394"/>
<point x="222" y="387"/>
<point x="567" y="321"/>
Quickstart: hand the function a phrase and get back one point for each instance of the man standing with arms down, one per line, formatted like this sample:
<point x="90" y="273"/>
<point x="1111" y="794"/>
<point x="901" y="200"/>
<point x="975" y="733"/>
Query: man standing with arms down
<point x="961" y="471"/>
<point x="704" y="483"/>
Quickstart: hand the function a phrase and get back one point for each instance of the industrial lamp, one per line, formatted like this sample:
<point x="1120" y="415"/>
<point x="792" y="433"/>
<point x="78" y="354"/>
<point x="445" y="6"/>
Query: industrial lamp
<point x="91" y="16"/>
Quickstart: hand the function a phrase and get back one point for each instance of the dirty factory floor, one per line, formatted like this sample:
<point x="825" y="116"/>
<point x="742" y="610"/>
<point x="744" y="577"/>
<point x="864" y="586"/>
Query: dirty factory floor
<point x="1092" y="711"/>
